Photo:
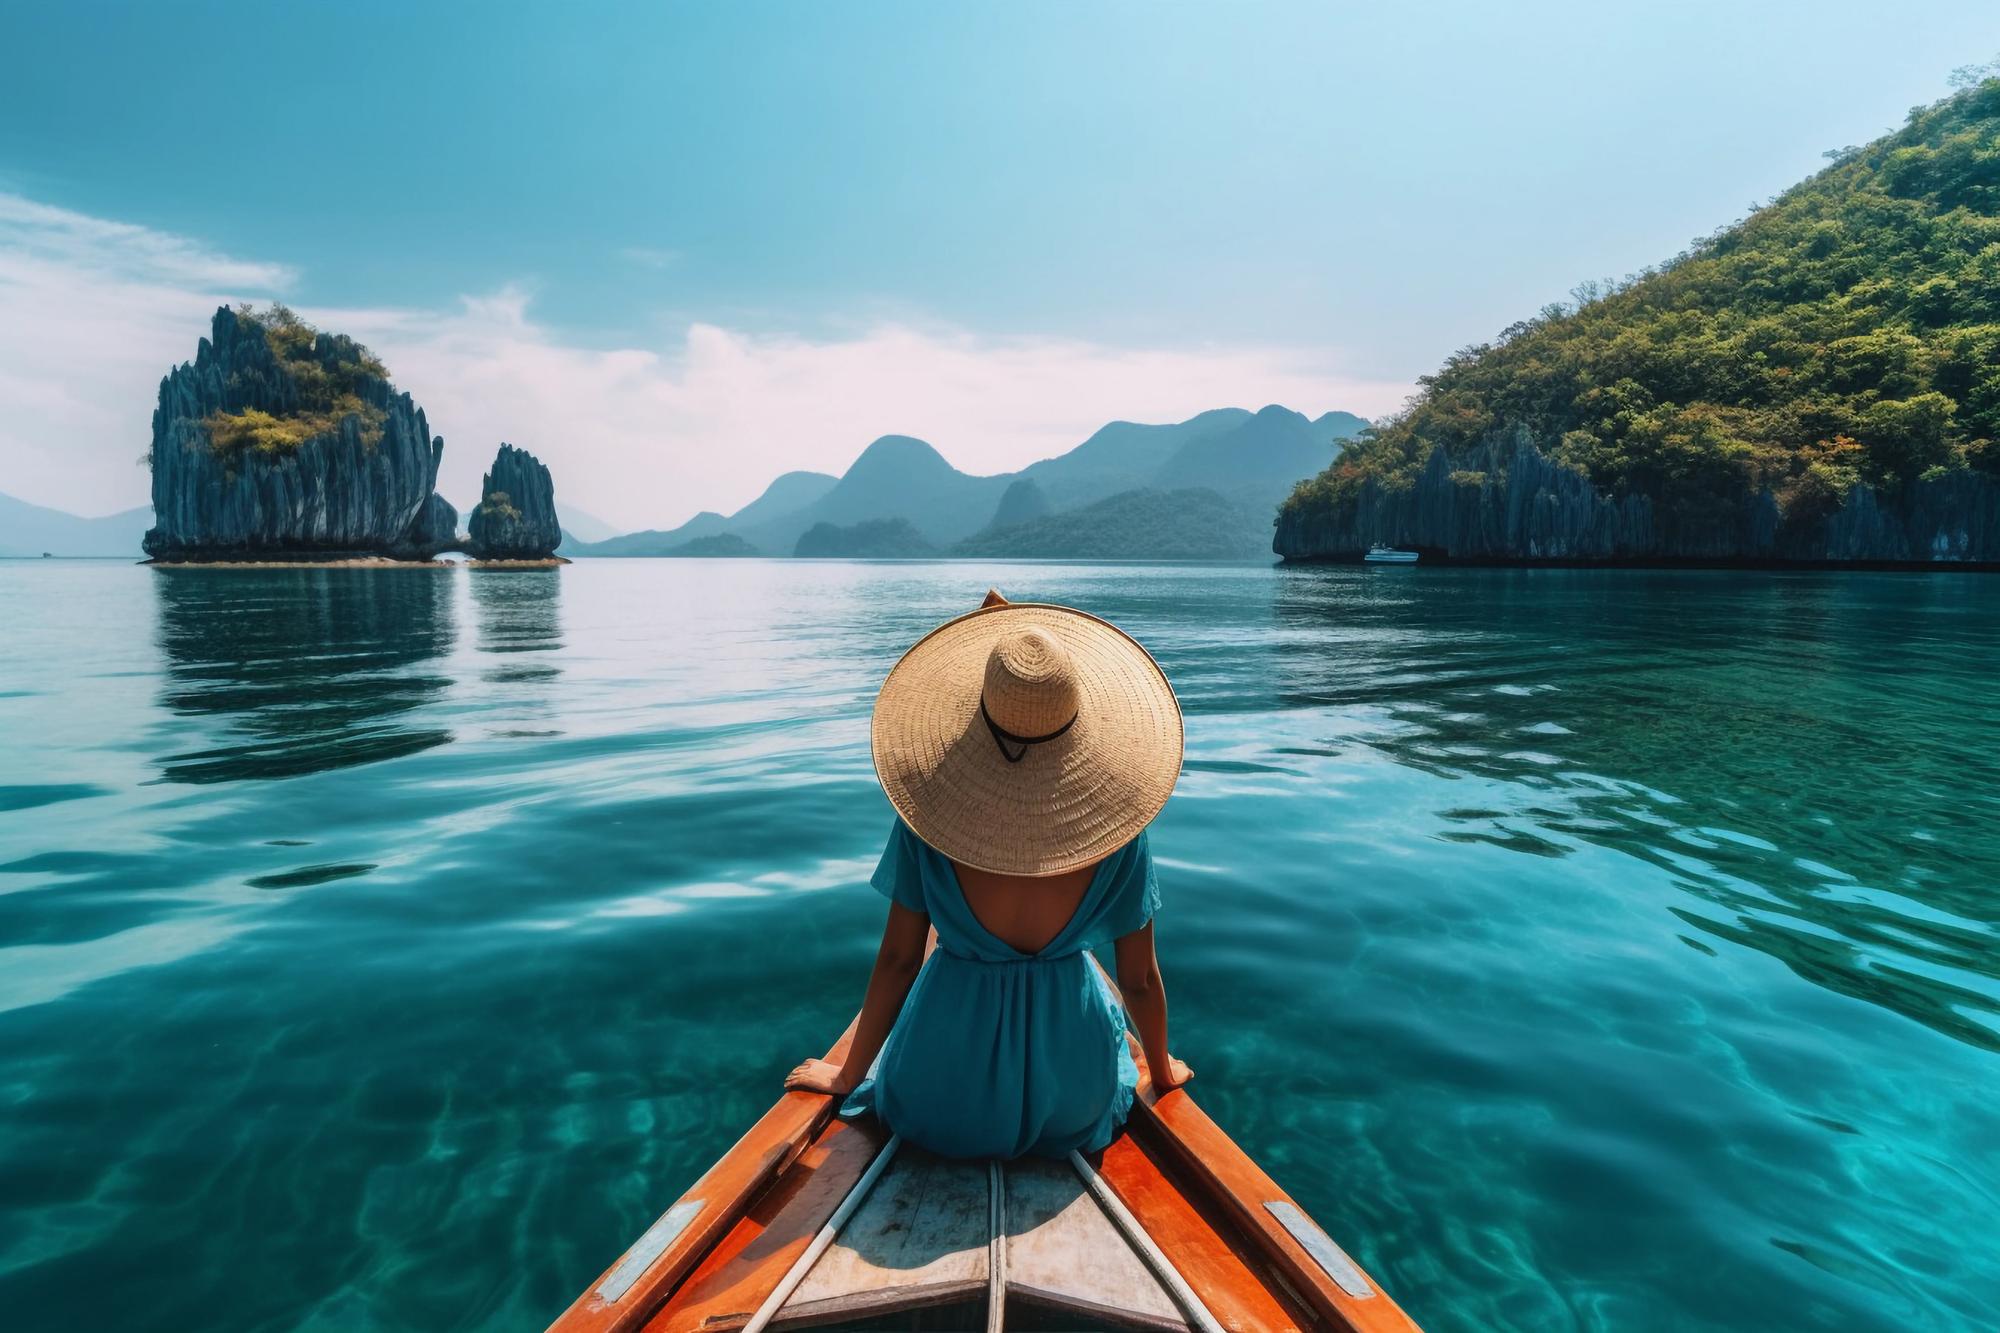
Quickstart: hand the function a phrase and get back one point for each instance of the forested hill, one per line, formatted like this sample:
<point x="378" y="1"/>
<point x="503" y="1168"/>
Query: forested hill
<point x="1818" y="381"/>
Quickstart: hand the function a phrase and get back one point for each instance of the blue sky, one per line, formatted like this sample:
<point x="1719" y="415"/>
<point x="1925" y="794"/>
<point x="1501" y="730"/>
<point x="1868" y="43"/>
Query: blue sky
<point x="995" y="226"/>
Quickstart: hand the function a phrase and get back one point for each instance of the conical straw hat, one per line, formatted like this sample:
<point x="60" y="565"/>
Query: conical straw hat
<point x="1027" y="739"/>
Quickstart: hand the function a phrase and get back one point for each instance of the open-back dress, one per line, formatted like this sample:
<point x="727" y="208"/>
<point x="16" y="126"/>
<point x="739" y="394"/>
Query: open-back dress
<point x="999" y="1053"/>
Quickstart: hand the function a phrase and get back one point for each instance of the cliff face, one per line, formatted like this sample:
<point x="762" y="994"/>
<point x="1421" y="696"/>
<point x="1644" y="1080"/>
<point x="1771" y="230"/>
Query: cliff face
<point x="516" y="515"/>
<point x="360" y="481"/>
<point x="1513" y="504"/>
<point x="435" y="527"/>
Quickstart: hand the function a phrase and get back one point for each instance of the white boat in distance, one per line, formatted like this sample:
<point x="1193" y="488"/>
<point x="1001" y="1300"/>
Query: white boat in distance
<point x="1389" y="555"/>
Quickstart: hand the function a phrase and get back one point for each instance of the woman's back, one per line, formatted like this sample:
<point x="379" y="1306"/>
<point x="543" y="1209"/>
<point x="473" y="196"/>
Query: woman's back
<point x="1022" y="913"/>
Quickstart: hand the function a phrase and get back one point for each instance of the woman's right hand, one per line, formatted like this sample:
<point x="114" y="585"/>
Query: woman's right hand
<point x="1177" y="1074"/>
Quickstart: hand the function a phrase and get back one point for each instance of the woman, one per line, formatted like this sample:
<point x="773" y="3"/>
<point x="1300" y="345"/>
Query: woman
<point x="1025" y="748"/>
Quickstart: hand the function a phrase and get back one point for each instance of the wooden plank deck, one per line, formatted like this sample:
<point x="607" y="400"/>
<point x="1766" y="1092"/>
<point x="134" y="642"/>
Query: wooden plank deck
<point x="925" y="1237"/>
<point x="1063" y="1252"/>
<point x="921" y="1239"/>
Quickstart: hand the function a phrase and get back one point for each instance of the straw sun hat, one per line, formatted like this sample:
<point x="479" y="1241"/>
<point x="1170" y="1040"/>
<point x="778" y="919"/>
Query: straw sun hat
<point x="1026" y="738"/>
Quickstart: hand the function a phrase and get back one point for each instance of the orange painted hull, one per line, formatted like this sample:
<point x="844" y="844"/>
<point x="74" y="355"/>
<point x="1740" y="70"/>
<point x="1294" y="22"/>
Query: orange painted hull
<point x="738" y="1229"/>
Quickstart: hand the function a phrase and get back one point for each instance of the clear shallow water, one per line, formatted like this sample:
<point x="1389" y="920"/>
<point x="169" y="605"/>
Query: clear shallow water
<point x="1587" y="950"/>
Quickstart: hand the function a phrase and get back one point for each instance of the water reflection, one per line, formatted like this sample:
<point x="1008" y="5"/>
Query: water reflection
<point x="1817" y="796"/>
<point x="301" y="670"/>
<point x="519" y="615"/>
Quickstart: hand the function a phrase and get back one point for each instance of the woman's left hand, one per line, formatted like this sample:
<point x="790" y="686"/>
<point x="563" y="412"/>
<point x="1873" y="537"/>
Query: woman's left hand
<point x="821" y="1076"/>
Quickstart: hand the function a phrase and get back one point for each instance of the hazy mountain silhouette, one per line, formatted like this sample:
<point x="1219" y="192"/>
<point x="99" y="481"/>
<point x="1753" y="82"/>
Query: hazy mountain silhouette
<point x="872" y="539"/>
<point x="895" y="477"/>
<point x="1259" y="458"/>
<point x="1022" y="501"/>
<point x="583" y="527"/>
<point x="721" y="544"/>
<point x="1249" y="461"/>
<point x="791" y="491"/>
<point x="1196" y="523"/>
<point x="30" y="529"/>
<point x="1124" y="455"/>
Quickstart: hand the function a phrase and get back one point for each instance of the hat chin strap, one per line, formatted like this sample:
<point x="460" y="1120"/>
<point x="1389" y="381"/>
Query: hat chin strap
<point x="1004" y="738"/>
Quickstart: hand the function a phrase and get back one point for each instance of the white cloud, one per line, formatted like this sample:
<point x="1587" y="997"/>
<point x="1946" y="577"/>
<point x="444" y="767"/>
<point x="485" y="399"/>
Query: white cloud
<point x="644" y="438"/>
<point x="92" y="313"/>
<point x="56" y="236"/>
<point x="96" y="311"/>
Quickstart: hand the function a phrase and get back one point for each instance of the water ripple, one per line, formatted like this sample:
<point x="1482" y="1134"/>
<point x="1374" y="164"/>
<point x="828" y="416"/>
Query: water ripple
<point x="1552" y="935"/>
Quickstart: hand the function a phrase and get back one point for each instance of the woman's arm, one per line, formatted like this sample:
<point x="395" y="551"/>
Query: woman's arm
<point x="1146" y="1001"/>
<point x="897" y="963"/>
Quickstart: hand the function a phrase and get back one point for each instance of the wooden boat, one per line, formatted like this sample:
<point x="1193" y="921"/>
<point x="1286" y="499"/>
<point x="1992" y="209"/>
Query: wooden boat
<point x="816" y="1222"/>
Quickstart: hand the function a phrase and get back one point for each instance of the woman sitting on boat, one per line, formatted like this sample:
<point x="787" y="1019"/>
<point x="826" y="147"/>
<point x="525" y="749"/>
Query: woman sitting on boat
<point x="1025" y="748"/>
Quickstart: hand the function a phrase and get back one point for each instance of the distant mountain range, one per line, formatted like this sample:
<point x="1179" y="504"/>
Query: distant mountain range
<point x="1225" y="472"/>
<point x="791" y="491"/>
<point x="33" y="530"/>
<point x="582" y="527"/>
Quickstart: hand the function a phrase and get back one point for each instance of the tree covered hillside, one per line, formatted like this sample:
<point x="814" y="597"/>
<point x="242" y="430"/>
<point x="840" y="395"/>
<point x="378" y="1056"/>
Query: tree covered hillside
<point x="1847" y="333"/>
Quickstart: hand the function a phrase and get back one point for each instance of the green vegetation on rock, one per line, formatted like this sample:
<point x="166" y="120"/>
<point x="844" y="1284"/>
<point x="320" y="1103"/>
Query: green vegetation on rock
<point x="1847" y="333"/>
<point x="498" y="505"/>
<point x="321" y="376"/>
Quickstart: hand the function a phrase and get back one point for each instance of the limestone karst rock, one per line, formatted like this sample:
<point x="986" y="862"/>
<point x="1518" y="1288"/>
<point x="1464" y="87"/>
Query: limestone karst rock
<point x="278" y="441"/>
<point x="515" y="518"/>
<point x="434" y="529"/>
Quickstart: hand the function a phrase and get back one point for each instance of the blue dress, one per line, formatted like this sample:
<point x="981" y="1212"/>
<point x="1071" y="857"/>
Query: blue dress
<point x="998" y="1053"/>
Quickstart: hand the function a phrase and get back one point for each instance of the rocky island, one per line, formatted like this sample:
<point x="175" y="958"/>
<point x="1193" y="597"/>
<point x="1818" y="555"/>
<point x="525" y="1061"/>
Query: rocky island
<point x="280" y="442"/>
<point x="1816" y="385"/>
<point x="515" y="519"/>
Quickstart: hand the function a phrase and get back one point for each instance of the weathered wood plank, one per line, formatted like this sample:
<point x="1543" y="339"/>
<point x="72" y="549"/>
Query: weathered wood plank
<point x="920" y="1239"/>
<point x="1062" y="1251"/>
<point x="747" y="1264"/>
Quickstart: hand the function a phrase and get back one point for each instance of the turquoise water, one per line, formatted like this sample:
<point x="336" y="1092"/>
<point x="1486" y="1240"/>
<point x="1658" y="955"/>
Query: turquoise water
<point x="1586" y="950"/>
